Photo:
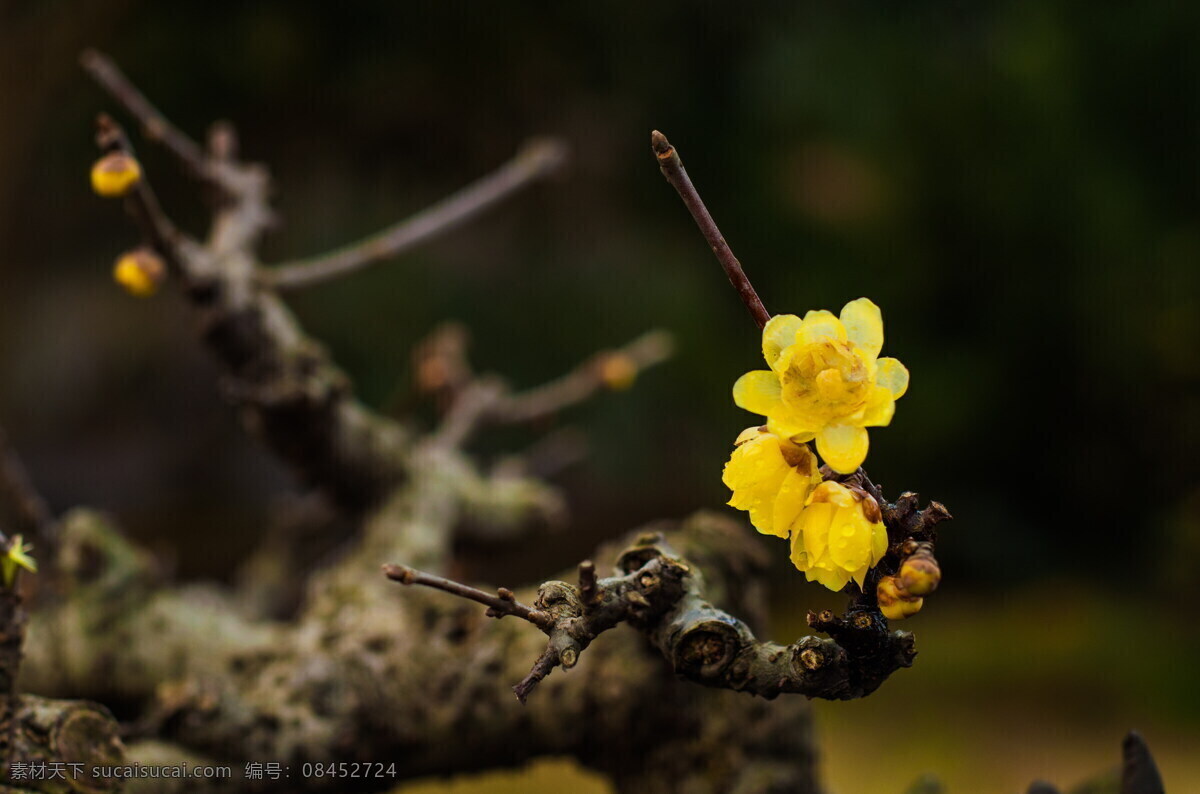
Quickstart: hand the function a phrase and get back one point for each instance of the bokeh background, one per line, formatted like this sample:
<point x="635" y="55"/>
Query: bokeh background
<point x="1014" y="182"/>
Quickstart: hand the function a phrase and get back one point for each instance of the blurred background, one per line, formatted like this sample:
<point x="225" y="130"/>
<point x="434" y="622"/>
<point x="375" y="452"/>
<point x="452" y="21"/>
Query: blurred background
<point x="1013" y="182"/>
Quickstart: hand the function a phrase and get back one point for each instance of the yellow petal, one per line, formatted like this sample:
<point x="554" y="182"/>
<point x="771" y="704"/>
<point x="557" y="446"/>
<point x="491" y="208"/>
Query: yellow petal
<point x="833" y="578"/>
<point x="880" y="408"/>
<point x="819" y="326"/>
<point x="750" y="434"/>
<point x="879" y="542"/>
<point x="758" y="392"/>
<point x="864" y="325"/>
<point x="843" y="447"/>
<point x="790" y="500"/>
<point x="833" y="493"/>
<point x="860" y="575"/>
<point x="778" y="334"/>
<point x="814" y="523"/>
<point x="850" y="540"/>
<point x="754" y="462"/>
<point x="786" y="425"/>
<point x="799" y="555"/>
<point x="892" y="375"/>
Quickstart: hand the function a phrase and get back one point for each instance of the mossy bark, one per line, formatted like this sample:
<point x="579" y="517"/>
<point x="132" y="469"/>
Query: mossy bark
<point x="372" y="672"/>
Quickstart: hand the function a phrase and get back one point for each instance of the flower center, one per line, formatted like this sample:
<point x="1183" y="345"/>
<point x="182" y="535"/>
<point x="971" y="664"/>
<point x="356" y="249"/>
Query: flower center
<point x="826" y="380"/>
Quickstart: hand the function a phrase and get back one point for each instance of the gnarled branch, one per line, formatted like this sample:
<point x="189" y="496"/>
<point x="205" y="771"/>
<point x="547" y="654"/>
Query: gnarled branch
<point x="663" y="595"/>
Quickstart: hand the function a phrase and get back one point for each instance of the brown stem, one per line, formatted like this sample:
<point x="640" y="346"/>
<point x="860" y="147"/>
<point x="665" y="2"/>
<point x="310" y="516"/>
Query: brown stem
<point x="536" y="160"/>
<point x="499" y="605"/>
<point x="672" y="168"/>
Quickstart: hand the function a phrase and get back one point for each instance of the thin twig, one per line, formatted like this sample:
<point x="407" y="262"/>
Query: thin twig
<point x="154" y="125"/>
<point x="141" y="203"/>
<point x="672" y="168"/>
<point x="499" y="605"/>
<point x="541" y="668"/>
<point x="536" y="160"/>
<point x="485" y="399"/>
<point x="585" y="380"/>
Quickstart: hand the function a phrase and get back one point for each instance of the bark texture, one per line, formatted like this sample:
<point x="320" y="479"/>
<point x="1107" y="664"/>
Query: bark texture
<point x="368" y="673"/>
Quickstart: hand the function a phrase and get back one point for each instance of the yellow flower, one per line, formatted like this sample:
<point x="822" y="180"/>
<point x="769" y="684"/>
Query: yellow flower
<point x="115" y="174"/>
<point x="826" y="381"/>
<point x="771" y="478"/>
<point x="16" y="556"/>
<point x="839" y="536"/>
<point x="140" y="272"/>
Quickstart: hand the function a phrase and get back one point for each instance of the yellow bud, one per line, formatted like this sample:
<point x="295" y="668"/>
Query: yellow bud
<point x="115" y="174"/>
<point x="140" y="272"/>
<point x="618" y="371"/>
<point x="894" y="602"/>
<point x="903" y="609"/>
<point x="920" y="574"/>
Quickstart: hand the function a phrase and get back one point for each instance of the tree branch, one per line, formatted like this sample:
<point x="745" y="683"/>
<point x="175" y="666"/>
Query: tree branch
<point x="672" y="168"/>
<point x="487" y="400"/>
<point x="362" y="674"/>
<point x="290" y="392"/>
<point x="154" y="125"/>
<point x="499" y="605"/>
<point x="581" y="383"/>
<point x="663" y="595"/>
<point x="536" y="160"/>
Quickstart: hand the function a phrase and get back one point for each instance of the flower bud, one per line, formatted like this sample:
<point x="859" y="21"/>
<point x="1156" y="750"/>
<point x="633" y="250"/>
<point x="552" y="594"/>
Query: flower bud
<point x="140" y="272"/>
<point x="894" y="602"/>
<point x="618" y="371"/>
<point x="920" y="574"/>
<point x="115" y="174"/>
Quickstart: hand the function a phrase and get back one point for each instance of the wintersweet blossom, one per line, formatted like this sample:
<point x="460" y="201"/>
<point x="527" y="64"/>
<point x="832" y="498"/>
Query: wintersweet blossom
<point x="838" y="536"/>
<point x="826" y="381"/>
<point x="771" y="478"/>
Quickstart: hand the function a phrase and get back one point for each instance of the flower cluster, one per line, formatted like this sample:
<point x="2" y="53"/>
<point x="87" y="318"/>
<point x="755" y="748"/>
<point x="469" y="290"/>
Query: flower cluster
<point x="826" y="383"/>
